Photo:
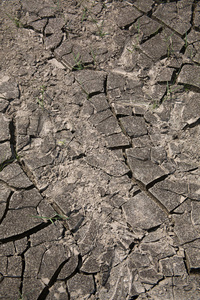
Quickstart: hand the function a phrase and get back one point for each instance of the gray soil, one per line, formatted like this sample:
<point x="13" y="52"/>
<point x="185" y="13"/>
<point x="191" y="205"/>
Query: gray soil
<point x="99" y="150"/>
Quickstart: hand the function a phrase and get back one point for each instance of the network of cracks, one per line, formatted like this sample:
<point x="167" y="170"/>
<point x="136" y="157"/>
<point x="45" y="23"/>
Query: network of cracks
<point x="99" y="150"/>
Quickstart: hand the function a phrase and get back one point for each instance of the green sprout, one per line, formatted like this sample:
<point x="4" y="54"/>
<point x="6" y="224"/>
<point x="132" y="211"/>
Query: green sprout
<point x="84" y="14"/>
<point x="93" y="56"/>
<point x="78" y="62"/>
<point x="40" y="100"/>
<point x="62" y="143"/>
<point x="155" y="104"/>
<point x="16" y="21"/>
<point x="52" y="219"/>
<point x="169" y="42"/>
<point x="88" y="12"/>
<point x="6" y="162"/>
<point x="186" y="41"/>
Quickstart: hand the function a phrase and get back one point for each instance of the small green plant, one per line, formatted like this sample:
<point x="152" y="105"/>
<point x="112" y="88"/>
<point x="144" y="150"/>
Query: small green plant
<point x="135" y="46"/>
<point x="21" y="297"/>
<point x="25" y="296"/>
<point x="93" y="56"/>
<point x="190" y="52"/>
<point x="58" y="3"/>
<point x="137" y="26"/>
<point x="40" y="100"/>
<point x="169" y="42"/>
<point x="84" y="16"/>
<point x="169" y="91"/>
<point x="87" y="13"/>
<point x="62" y="143"/>
<point x="155" y="104"/>
<point x="6" y="162"/>
<point x="67" y="27"/>
<point x="100" y="31"/>
<point x="16" y="21"/>
<point x="52" y="219"/>
<point x="78" y="62"/>
<point x="186" y="41"/>
<point x="16" y="156"/>
<point x="186" y="88"/>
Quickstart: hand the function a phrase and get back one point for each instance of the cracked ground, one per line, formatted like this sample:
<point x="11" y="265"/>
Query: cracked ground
<point x="99" y="150"/>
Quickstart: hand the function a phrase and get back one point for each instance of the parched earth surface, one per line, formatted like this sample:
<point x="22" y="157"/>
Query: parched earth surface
<point x="99" y="150"/>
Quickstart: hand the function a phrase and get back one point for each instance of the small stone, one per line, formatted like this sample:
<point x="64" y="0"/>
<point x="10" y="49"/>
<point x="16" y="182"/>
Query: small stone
<point x="11" y="226"/>
<point x="134" y="126"/>
<point x="5" y="153"/>
<point x="99" y="102"/>
<point x="54" y="25"/>
<point x="197" y="16"/>
<point x="147" y="26"/>
<point x="91" y="81"/>
<point x="158" y="154"/>
<point x="33" y="257"/>
<point x="141" y="260"/>
<point x="195" y="214"/>
<point x="126" y="16"/>
<point x="14" y="267"/>
<point x="4" y="125"/>
<point x="168" y="194"/>
<point x="192" y="255"/>
<point x="53" y="257"/>
<point x="56" y="63"/>
<point x="69" y="268"/>
<point x="98" y="118"/>
<point x="36" y="287"/>
<point x="80" y="285"/>
<point x="144" y="5"/>
<point x="58" y="291"/>
<point x="150" y="276"/>
<point x="145" y="171"/>
<point x="115" y="81"/>
<point x="53" y="41"/>
<point x="109" y="126"/>
<point x="8" y="90"/>
<point x="121" y="110"/>
<point x="163" y="290"/>
<point x="167" y="13"/>
<point x="139" y="153"/>
<point x="190" y="75"/>
<point x="165" y="75"/>
<point x="3" y="105"/>
<point x="10" y="286"/>
<point x="47" y="234"/>
<point x="156" y="47"/>
<point x="38" y="25"/>
<point x="172" y="266"/>
<point x="142" y="212"/>
<point x="4" y="195"/>
<point x="117" y="140"/>
<point x="14" y="176"/>
<point x="191" y="111"/>
<point x="184" y="228"/>
<point x="90" y="266"/>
